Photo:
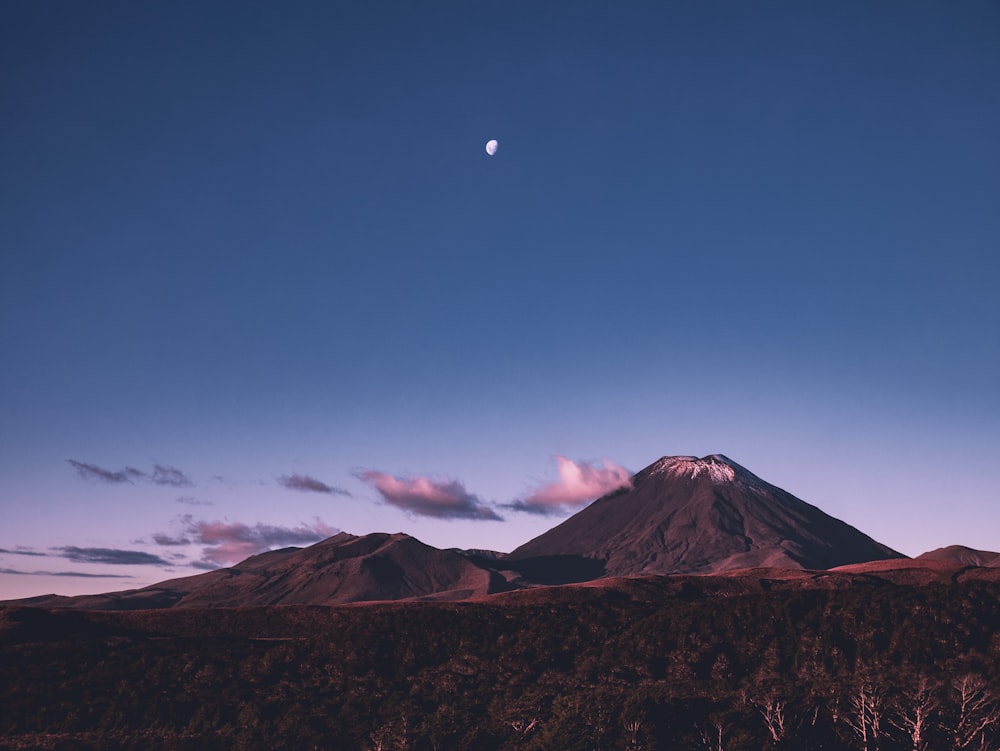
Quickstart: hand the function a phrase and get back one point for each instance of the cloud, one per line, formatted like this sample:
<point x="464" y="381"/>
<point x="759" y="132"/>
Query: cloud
<point x="578" y="483"/>
<point x="84" y="575"/>
<point x="110" y="555"/>
<point x="164" y="475"/>
<point x="99" y="474"/>
<point x="24" y="551"/>
<point x="80" y="574"/>
<point x="231" y="542"/>
<point x="192" y="501"/>
<point x="167" y="540"/>
<point x="440" y="499"/>
<point x="308" y="484"/>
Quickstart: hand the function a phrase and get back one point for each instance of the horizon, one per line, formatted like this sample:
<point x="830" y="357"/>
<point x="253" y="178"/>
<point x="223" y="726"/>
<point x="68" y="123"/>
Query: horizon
<point x="262" y="280"/>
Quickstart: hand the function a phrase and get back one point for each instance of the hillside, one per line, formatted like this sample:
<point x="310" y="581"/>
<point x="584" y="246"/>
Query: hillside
<point x="636" y="663"/>
<point x="343" y="568"/>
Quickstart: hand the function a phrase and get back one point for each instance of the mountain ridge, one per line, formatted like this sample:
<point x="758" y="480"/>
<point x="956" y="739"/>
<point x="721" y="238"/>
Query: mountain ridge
<point x="341" y="569"/>
<point x="681" y="515"/>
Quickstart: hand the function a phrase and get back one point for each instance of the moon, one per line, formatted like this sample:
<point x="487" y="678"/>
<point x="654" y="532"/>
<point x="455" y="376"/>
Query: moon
<point x="491" y="147"/>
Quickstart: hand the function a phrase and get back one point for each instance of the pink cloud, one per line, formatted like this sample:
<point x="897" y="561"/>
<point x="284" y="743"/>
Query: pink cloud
<point x="578" y="483"/>
<point x="441" y="499"/>
<point x="231" y="542"/>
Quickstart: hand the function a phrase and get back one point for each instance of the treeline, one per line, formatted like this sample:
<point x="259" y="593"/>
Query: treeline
<point x="962" y="713"/>
<point x="699" y="663"/>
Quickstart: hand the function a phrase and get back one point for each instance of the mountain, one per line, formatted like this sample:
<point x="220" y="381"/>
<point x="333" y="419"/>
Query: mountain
<point x="683" y="514"/>
<point x="344" y="568"/>
<point x="959" y="554"/>
<point x="561" y="666"/>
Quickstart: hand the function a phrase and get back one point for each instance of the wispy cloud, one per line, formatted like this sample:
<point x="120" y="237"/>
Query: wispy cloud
<point x="424" y="496"/>
<point x="24" y="551"/>
<point x="80" y="574"/>
<point x="165" y="475"/>
<point x="188" y="500"/>
<point x="308" y="484"/>
<point x="167" y="540"/>
<point x="110" y="555"/>
<point x="99" y="474"/>
<point x="162" y="474"/>
<point x="578" y="483"/>
<point x="230" y="542"/>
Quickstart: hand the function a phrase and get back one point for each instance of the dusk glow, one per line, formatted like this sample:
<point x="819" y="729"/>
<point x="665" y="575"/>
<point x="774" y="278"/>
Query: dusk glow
<point x="259" y="281"/>
<point x="579" y="482"/>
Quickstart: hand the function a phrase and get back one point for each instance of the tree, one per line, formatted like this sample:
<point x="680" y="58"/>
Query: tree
<point x="393" y="736"/>
<point x="773" y="712"/>
<point x="865" y="716"/>
<point x="711" y="737"/>
<point x="521" y="730"/>
<point x="976" y="713"/>
<point x="914" y="715"/>
<point x="632" y="740"/>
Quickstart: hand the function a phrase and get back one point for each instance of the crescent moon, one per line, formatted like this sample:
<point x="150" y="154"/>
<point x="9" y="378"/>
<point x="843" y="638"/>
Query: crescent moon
<point x="491" y="147"/>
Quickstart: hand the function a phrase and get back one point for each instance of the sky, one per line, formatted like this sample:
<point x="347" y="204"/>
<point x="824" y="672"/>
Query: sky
<point x="261" y="282"/>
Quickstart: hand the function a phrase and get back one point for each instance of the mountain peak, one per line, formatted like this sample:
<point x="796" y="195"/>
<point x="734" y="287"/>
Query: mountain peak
<point x="681" y="514"/>
<point x="720" y="469"/>
<point x="685" y="514"/>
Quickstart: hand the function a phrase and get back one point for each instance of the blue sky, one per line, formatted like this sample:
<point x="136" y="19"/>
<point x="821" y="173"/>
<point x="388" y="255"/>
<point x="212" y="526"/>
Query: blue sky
<point x="259" y="279"/>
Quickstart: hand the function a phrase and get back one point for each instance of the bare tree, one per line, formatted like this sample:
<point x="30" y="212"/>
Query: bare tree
<point x="379" y="741"/>
<point x="521" y="729"/>
<point x="773" y="712"/>
<point x="632" y="730"/>
<point x="977" y="713"/>
<point x="915" y="711"/>
<point x="865" y="716"/>
<point x="712" y="737"/>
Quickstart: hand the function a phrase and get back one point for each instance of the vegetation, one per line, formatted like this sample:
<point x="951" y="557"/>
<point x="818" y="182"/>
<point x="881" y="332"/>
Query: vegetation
<point x="713" y="663"/>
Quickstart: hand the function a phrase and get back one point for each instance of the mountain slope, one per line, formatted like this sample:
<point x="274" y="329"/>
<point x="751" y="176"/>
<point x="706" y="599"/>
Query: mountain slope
<point x="684" y="514"/>
<point x="962" y="555"/>
<point x="344" y="568"/>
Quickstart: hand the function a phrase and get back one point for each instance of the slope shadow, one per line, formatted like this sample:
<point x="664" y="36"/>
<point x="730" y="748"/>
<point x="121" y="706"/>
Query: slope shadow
<point x="557" y="569"/>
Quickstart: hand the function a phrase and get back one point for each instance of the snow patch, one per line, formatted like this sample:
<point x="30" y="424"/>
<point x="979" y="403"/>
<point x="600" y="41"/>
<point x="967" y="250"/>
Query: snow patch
<point x="719" y="469"/>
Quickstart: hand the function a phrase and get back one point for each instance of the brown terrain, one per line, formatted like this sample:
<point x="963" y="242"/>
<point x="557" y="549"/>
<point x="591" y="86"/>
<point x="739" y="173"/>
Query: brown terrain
<point x="963" y="555"/>
<point x="342" y="569"/>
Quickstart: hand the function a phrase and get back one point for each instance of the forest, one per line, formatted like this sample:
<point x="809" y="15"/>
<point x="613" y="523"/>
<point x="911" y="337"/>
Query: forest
<point x="659" y="663"/>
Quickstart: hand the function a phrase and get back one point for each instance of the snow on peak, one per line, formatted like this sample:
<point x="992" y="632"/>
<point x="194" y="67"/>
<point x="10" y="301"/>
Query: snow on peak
<point x="718" y="468"/>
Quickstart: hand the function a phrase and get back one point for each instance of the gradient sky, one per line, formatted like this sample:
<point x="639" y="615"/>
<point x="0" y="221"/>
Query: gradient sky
<point x="259" y="279"/>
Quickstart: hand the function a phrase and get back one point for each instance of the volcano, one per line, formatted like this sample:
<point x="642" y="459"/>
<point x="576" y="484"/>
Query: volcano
<point x="680" y="515"/>
<point x="683" y="514"/>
